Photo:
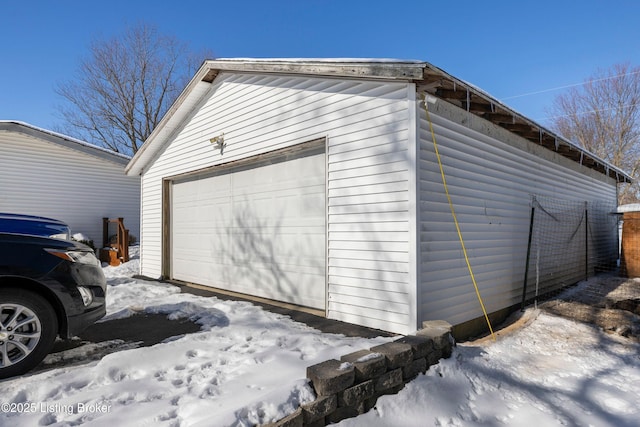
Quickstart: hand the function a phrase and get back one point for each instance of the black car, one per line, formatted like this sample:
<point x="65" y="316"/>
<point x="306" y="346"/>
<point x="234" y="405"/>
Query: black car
<point x="49" y="286"/>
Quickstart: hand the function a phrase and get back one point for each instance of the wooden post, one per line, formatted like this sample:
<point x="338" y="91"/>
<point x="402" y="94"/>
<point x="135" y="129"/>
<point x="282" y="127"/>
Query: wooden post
<point x="125" y="255"/>
<point x="122" y="238"/>
<point x="122" y="242"/>
<point x="105" y="232"/>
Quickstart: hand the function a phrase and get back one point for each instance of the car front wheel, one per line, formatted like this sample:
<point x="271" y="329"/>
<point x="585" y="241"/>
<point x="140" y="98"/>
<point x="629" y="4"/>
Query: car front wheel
<point x="28" y="329"/>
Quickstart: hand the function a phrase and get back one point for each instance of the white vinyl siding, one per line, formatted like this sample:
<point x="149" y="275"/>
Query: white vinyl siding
<point x="367" y="128"/>
<point x="369" y="236"/>
<point x="39" y="177"/>
<point x="491" y="175"/>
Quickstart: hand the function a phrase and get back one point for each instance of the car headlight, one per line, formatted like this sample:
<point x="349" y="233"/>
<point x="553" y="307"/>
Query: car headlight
<point x="81" y="257"/>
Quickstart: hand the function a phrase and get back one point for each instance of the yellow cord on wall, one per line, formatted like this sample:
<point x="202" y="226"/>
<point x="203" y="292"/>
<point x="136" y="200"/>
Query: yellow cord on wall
<point x="453" y="214"/>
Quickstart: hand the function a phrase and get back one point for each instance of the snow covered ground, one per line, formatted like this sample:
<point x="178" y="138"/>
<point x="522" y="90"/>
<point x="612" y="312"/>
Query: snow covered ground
<point x="551" y="372"/>
<point x="247" y="366"/>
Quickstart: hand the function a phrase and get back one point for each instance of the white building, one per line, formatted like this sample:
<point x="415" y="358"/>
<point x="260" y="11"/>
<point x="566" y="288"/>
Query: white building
<point x="48" y="174"/>
<point x="315" y="182"/>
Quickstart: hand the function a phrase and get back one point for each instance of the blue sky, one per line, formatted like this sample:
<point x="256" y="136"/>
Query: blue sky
<point x="507" y="48"/>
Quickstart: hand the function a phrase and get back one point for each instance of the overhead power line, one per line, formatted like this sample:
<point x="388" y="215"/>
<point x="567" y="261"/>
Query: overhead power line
<point x="571" y="85"/>
<point x="582" y="113"/>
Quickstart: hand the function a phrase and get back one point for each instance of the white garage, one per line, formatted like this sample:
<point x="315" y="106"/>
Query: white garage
<point x="256" y="227"/>
<point x="316" y="182"/>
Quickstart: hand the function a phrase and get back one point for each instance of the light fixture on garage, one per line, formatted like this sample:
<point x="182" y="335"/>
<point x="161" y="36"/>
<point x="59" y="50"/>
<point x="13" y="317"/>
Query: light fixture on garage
<point x="431" y="99"/>
<point x="219" y="141"/>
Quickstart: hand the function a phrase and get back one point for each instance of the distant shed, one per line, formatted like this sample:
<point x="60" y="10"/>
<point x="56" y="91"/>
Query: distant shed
<point x="48" y="174"/>
<point x="315" y="182"/>
<point x="630" y="239"/>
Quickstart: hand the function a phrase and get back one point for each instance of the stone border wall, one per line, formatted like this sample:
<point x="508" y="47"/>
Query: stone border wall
<point x="351" y="386"/>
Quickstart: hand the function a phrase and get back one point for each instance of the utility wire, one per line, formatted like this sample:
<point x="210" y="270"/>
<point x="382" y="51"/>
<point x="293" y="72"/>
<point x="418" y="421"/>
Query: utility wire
<point x="582" y="113"/>
<point x="571" y="85"/>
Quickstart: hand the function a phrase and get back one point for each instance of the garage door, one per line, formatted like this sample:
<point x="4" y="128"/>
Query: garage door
<point x="256" y="228"/>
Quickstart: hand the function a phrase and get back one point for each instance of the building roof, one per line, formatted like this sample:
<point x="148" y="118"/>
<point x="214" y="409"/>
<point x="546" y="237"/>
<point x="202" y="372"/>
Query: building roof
<point x="64" y="140"/>
<point x="428" y="79"/>
<point x="631" y="207"/>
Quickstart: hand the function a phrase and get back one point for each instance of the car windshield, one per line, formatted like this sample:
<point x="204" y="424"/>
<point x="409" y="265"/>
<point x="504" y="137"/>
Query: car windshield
<point x="35" y="226"/>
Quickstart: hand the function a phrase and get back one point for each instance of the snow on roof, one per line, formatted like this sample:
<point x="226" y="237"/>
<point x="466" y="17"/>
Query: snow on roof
<point x="631" y="207"/>
<point x="327" y="60"/>
<point x="65" y="140"/>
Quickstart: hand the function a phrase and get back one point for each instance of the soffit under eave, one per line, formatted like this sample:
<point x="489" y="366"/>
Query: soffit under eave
<point x="439" y="84"/>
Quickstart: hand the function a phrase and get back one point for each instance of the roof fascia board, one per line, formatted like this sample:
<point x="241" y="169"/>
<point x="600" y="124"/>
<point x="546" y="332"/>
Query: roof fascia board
<point x="376" y="70"/>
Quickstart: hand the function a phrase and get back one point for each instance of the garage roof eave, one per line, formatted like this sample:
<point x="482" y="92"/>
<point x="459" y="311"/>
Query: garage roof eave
<point x="440" y="84"/>
<point x="386" y="69"/>
<point x="428" y="79"/>
<point x="171" y="121"/>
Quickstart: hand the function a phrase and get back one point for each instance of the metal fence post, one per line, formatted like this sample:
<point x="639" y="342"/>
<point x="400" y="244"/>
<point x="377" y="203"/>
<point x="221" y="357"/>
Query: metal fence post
<point x="586" y="240"/>
<point x="526" y="269"/>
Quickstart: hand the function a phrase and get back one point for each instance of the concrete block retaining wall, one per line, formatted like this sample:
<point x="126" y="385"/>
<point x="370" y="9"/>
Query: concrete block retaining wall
<point x="351" y="386"/>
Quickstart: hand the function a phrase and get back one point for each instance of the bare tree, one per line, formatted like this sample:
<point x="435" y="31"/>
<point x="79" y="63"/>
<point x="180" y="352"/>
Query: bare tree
<point x="603" y="116"/>
<point x="124" y="87"/>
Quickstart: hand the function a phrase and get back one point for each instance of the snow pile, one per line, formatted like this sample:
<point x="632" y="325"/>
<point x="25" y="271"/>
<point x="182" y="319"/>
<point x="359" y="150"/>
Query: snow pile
<point x="245" y="366"/>
<point x="552" y="372"/>
<point x="79" y="237"/>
